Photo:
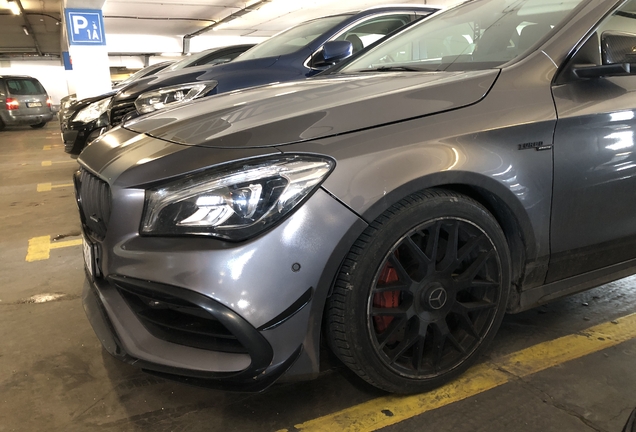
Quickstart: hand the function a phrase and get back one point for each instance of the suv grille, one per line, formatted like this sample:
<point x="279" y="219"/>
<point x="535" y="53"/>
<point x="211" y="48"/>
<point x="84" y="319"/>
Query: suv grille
<point x="119" y="110"/>
<point x="93" y="200"/>
<point x="179" y="321"/>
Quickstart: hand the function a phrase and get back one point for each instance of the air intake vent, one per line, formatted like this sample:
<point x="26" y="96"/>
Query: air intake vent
<point x="179" y="321"/>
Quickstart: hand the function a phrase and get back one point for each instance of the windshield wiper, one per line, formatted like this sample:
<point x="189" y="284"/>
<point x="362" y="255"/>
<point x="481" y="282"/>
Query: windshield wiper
<point x="394" y="68"/>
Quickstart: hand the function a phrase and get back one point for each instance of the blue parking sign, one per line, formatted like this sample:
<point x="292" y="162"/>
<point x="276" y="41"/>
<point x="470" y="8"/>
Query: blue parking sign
<point x="85" y="26"/>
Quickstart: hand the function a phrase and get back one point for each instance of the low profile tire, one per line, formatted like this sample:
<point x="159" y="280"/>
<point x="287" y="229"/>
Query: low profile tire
<point x="38" y="125"/>
<point x="421" y="293"/>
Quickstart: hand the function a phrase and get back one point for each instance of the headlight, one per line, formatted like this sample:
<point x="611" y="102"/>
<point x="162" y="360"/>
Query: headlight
<point x="93" y="111"/>
<point x="158" y="99"/>
<point x="233" y="203"/>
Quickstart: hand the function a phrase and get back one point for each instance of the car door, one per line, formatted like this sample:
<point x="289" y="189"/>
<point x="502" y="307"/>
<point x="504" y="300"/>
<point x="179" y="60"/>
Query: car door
<point x="594" y="198"/>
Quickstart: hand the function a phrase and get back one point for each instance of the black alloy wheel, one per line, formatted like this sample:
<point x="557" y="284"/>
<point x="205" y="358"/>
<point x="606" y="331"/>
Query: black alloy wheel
<point x="421" y="293"/>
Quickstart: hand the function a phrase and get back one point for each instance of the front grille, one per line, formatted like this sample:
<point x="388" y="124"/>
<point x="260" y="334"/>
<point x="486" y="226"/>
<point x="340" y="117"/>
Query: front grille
<point x="119" y="110"/>
<point x="179" y="321"/>
<point x="93" y="199"/>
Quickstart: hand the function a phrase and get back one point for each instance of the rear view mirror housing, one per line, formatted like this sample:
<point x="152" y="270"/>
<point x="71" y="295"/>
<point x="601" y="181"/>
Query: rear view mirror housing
<point x="334" y="52"/>
<point x="618" y="48"/>
<point x="618" y="57"/>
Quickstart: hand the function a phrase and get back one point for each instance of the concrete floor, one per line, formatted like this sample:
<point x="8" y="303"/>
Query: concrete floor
<point x="54" y="375"/>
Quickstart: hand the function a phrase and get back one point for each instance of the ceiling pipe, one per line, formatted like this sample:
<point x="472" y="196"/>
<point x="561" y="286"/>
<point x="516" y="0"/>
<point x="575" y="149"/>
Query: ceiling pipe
<point x="230" y="17"/>
<point x="27" y="24"/>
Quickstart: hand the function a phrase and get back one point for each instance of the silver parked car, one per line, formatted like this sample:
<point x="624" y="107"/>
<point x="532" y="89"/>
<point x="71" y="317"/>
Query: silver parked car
<point x="479" y="162"/>
<point x="23" y="101"/>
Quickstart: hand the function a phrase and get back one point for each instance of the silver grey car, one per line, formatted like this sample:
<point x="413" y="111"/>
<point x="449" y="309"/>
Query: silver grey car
<point x="479" y="162"/>
<point x="23" y="101"/>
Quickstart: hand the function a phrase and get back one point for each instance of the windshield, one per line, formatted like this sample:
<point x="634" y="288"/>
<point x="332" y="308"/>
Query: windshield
<point x="184" y="63"/>
<point x="293" y="39"/>
<point x="477" y="35"/>
<point x="139" y="74"/>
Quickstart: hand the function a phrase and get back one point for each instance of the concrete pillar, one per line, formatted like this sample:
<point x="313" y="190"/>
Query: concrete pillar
<point x="84" y="36"/>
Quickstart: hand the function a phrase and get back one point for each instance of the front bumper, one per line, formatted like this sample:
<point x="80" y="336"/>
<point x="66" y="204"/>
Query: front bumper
<point x="97" y="303"/>
<point x="253" y="288"/>
<point x="77" y="135"/>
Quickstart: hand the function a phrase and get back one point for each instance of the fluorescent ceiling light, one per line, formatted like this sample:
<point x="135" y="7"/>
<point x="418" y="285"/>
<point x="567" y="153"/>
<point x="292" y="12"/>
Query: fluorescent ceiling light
<point x="14" y="7"/>
<point x="25" y="30"/>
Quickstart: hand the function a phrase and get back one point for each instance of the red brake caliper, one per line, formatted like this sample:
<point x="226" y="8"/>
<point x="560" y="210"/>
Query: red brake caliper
<point x="387" y="299"/>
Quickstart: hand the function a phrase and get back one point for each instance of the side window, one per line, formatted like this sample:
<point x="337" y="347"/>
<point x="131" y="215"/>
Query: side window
<point x="365" y="33"/>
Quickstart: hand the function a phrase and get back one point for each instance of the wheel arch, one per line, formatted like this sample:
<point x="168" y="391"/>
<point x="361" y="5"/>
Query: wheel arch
<point x="494" y="196"/>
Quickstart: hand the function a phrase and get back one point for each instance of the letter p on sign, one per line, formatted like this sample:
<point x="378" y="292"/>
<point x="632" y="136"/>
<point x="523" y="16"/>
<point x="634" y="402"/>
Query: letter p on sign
<point x="79" y="23"/>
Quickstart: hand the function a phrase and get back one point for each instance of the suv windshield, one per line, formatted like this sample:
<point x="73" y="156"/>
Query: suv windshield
<point x="477" y="35"/>
<point x="24" y="86"/>
<point x="139" y="74"/>
<point x="184" y="63"/>
<point x="293" y="39"/>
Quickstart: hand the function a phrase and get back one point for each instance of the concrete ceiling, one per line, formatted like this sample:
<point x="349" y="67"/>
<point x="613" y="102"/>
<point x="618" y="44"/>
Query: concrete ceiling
<point x="159" y="25"/>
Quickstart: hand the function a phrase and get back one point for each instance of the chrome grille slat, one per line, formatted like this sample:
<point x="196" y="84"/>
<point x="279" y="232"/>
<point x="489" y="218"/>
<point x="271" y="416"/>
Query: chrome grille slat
<point x="94" y="201"/>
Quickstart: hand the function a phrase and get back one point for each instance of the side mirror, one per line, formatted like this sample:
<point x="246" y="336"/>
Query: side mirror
<point x="618" y="48"/>
<point x="333" y="52"/>
<point x="618" y="57"/>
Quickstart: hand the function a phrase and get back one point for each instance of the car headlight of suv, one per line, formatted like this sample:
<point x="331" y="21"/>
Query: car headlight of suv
<point x="167" y="96"/>
<point x="93" y="111"/>
<point x="234" y="202"/>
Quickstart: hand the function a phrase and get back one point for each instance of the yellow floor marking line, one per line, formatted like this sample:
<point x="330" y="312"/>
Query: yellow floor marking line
<point x="389" y="410"/>
<point x="46" y="187"/>
<point x="47" y="147"/>
<point x="49" y="163"/>
<point x="40" y="247"/>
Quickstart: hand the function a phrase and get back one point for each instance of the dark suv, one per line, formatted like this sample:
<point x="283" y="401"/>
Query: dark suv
<point x="300" y="52"/>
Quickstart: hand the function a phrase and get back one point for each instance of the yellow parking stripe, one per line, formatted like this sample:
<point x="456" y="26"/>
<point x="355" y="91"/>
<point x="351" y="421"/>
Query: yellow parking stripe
<point x="66" y="243"/>
<point x="389" y="410"/>
<point x="49" y="163"/>
<point x="40" y="247"/>
<point x="47" y="147"/>
<point x="46" y="187"/>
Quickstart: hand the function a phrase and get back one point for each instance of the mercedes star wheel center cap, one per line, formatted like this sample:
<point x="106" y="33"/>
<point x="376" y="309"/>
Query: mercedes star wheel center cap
<point x="437" y="298"/>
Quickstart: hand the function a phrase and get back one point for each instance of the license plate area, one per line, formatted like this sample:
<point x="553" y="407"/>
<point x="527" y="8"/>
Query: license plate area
<point x="89" y="256"/>
<point x="33" y="104"/>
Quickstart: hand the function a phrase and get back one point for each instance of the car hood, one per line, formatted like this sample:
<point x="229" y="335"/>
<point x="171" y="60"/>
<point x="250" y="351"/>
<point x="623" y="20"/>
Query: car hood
<point x="314" y="108"/>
